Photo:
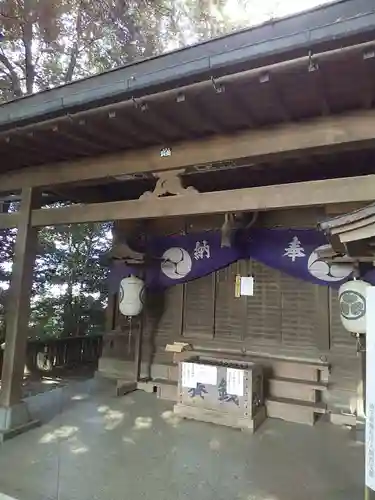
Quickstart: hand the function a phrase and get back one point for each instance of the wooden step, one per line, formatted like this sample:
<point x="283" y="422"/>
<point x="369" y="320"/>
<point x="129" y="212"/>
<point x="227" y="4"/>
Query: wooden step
<point x="165" y="371"/>
<point x="274" y="367"/>
<point x="164" y="389"/>
<point x="318" y="386"/>
<point x="291" y="410"/>
<point x="292" y="388"/>
<point x="259" y="359"/>
<point x="123" y="387"/>
<point x="343" y="419"/>
<point x="299" y="371"/>
<point x="167" y="391"/>
<point x="146" y="385"/>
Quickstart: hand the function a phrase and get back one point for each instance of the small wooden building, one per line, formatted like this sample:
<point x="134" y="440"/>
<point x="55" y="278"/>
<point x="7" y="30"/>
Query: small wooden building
<point x="277" y="121"/>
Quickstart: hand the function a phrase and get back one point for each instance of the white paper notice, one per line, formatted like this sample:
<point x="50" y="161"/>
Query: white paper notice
<point x="206" y="374"/>
<point x="247" y="286"/>
<point x="194" y="373"/>
<point x="370" y="388"/>
<point x="188" y="378"/>
<point x="235" y="384"/>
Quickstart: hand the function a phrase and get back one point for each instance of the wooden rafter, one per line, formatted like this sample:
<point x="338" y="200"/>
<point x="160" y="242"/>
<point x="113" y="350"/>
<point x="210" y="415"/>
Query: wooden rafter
<point x="107" y="139"/>
<point x="324" y="134"/>
<point x="276" y="96"/>
<point x="83" y="145"/>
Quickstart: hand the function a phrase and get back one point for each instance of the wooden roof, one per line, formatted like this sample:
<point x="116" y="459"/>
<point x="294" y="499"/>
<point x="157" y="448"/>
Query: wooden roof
<point x="352" y="234"/>
<point x="328" y="68"/>
<point x="329" y="83"/>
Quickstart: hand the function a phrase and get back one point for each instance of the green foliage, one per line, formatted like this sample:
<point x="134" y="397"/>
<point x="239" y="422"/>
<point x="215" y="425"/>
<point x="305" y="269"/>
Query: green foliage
<point x="69" y="295"/>
<point x="52" y="42"/>
<point x="47" y="43"/>
<point x="70" y="282"/>
<point x="7" y="238"/>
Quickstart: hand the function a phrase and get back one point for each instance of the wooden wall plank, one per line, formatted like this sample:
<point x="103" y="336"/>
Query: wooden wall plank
<point x="230" y="311"/>
<point x="300" y="312"/>
<point x="263" y="324"/>
<point x="199" y="307"/>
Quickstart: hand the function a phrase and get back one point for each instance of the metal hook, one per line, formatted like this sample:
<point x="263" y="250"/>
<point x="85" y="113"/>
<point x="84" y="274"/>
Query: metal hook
<point x="217" y="87"/>
<point x="313" y="65"/>
<point x="135" y="102"/>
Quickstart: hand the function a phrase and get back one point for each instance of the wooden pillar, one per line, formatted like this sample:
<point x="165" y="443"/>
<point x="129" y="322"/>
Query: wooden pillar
<point x="110" y="312"/>
<point x="18" y="304"/>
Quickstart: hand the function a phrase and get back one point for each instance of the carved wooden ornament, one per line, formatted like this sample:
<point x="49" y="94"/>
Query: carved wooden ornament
<point x="169" y="184"/>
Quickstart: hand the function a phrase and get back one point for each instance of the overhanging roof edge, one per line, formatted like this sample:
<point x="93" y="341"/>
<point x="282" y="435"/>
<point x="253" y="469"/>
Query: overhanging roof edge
<point x="341" y="221"/>
<point x="334" y="21"/>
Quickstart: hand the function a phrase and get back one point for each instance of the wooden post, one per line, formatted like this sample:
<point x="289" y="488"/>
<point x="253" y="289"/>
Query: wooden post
<point x="138" y="350"/>
<point x="110" y="312"/>
<point x="18" y="305"/>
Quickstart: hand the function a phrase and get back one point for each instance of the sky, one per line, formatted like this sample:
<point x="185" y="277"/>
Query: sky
<point x="259" y="11"/>
<point x="252" y="13"/>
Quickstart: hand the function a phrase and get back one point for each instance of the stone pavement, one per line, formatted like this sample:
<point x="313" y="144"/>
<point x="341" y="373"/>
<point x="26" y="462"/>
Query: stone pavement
<point x="101" y="447"/>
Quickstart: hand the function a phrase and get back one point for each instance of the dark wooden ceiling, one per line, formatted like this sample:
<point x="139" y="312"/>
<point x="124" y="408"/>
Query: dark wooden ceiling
<point x="233" y="176"/>
<point x="313" y="87"/>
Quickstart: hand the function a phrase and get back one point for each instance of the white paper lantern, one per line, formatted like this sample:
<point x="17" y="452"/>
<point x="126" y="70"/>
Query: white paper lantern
<point x="131" y="296"/>
<point x="352" y="299"/>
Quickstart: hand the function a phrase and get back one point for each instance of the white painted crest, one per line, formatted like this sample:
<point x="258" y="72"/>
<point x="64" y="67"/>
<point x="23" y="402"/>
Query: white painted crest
<point x="327" y="271"/>
<point x="176" y="263"/>
<point x="353" y="305"/>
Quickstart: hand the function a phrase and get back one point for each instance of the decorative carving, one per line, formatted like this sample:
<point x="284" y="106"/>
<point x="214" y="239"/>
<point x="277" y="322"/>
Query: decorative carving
<point x="169" y="184"/>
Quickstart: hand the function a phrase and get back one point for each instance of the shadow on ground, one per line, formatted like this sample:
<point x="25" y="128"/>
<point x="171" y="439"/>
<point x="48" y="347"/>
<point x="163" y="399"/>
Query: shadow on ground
<point x="99" y="447"/>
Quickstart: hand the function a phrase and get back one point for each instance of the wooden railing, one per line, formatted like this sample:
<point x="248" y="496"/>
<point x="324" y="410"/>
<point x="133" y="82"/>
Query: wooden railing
<point x="64" y="353"/>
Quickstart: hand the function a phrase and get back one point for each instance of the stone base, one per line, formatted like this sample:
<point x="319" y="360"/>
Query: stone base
<point x="120" y="387"/>
<point x="15" y="420"/>
<point x="116" y="368"/>
<point x="124" y="387"/>
<point x="360" y="432"/>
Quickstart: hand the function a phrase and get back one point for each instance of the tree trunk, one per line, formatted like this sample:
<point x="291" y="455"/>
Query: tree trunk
<point x="28" y="44"/>
<point x="75" y="49"/>
<point x="69" y="327"/>
<point x="14" y="80"/>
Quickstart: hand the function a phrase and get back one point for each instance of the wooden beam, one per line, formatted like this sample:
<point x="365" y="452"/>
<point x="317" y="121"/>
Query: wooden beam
<point x="322" y="134"/>
<point x="301" y="194"/>
<point x="9" y="220"/>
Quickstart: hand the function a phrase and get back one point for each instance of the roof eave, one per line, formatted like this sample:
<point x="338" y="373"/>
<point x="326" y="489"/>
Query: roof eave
<point x="337" y="23"/>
